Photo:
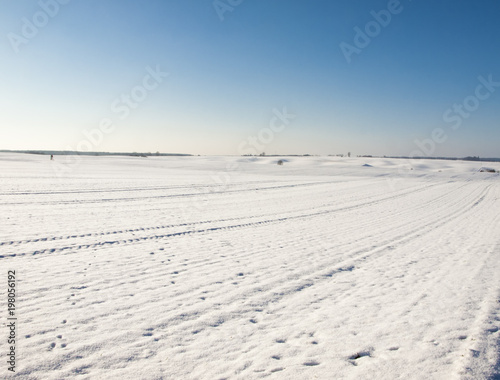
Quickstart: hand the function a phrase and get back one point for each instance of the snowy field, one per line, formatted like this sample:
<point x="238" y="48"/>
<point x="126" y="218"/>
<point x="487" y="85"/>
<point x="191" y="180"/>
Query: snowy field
<point x="237" y="268"/>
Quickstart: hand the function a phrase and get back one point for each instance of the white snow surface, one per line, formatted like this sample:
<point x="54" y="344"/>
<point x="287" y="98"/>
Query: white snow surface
<point x="238" y="268"/>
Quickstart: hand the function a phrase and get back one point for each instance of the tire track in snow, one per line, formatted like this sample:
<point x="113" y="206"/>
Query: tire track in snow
<point x="279" y="294"/>
<point x="428" y="286"/>
<point x="319" y="273"/>
<point x="201" y="264"/>
<point x="156" y="197"/>
<point x="242" y="225"/>
<point x="44" y="239"/>
<point x="322" y="265"/>
<point x="188" y="318"/>
<point x="316" y="299"/>
<point x="150" y="188"/>
<point x="71" y="236"/>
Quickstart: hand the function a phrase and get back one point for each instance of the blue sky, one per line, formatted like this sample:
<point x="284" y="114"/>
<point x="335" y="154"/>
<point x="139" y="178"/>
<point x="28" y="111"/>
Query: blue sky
<point x="232" y="65"/>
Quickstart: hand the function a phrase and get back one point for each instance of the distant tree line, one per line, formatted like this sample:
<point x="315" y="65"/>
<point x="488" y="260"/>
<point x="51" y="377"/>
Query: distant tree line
<point x="74" y="153"/>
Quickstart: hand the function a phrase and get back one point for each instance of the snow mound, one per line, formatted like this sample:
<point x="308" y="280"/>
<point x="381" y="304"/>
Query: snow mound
<point x="485" y="169"/>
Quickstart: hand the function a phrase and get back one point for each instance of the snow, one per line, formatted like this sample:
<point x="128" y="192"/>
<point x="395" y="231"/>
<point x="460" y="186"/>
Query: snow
<point x="237" y="268"/>
<point x="487" y="169"/>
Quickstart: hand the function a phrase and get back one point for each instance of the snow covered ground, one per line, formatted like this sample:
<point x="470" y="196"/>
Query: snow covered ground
<point x="237" y="268"/>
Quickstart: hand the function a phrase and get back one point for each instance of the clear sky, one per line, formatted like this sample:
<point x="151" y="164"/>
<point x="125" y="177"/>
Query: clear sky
<point x="366" y="76"/>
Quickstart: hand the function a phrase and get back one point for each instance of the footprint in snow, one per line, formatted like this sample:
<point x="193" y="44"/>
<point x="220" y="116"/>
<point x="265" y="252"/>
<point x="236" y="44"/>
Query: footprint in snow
<point x="311" y="363"/>
<point x="277" y="369"/>
<point x="354" y="358"/>
<point x="359" y="355"/>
